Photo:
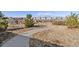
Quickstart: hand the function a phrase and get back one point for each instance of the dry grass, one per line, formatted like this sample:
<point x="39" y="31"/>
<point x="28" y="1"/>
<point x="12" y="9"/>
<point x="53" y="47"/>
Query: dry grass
<point x="58" y="22"/>
<point x="60" y="35"/>
<point x="17" y="28"/>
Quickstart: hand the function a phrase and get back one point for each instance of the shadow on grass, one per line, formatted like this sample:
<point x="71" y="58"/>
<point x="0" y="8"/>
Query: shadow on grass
<point x="12" y="29"/>
<point x="39" y="25"/>
<point x="39" y="43"/>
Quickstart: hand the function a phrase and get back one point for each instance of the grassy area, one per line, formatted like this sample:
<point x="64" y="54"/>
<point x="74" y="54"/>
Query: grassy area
<point x="59" y="35"/>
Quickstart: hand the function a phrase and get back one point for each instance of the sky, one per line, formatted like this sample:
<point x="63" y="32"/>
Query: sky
<point x="37" y="13"/>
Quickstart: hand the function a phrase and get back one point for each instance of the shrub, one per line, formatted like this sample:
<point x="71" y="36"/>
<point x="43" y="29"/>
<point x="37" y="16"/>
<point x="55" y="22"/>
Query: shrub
<point x="72" y="20"/>
<point x="29" y="21"/>
<point x="3" y="24"/>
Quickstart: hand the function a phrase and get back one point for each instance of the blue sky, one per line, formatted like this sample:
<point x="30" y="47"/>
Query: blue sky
<point x="37" y="13"/>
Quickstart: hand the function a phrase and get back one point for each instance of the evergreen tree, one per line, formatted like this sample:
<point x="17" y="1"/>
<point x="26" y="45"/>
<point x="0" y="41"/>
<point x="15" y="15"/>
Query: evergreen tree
<point x="3" y="22"/>
<point x="29" y="21"/>
<point x="1" y="14"/>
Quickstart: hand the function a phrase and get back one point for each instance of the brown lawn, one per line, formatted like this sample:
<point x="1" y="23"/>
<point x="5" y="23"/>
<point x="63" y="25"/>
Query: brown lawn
<point x="60" y="35"/>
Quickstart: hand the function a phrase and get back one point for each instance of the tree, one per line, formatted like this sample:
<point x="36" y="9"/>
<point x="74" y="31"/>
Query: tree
<point x="29" y="21"/>
<point x="29" y="16"/>
<point x="72" y="20"/>
<point x="3" y="22"/>
<point x="1" y="14"/>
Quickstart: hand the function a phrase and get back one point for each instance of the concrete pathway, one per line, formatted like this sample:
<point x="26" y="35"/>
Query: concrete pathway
<point x="18" y="41"/>
<point x="22" y="40"/>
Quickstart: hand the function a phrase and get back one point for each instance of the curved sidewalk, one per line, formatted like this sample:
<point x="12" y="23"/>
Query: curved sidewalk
<point x="22" y="40"/>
